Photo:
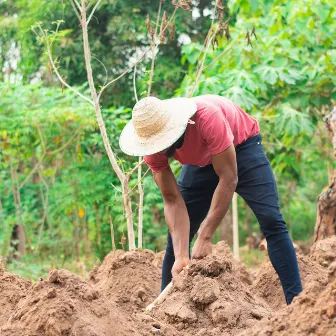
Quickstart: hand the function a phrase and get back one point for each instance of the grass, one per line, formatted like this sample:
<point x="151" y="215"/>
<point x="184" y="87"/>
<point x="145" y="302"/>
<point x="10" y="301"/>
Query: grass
<point x="252" y="258"/>
<point x="33" y="269"/>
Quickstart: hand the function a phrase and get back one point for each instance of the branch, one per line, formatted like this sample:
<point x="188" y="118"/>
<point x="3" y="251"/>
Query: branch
<point x="135" y="168"/>
<point x="138" y="182"/>
<point x="38" y="163"/>
<point x="124" y="73"/>
<point x="93" y="10"/>
<point x="138" y="61"/>
<point x="221" y="54"/>
<point x="134" y="85"/>
<point x="56" y="71"/>
<point x="106" y="72"/>
<point x="78" y="5"/>
<point x="66" y="144"/>
<point x="75" y="10"/>
<point x="153" y="47"/>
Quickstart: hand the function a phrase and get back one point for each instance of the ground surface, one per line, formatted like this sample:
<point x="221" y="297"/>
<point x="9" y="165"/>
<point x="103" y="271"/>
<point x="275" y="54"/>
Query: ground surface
<point x="215" y="296"/>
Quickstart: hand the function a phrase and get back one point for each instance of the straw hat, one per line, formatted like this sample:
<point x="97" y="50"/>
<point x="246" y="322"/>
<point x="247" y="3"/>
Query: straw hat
<point x="156" y="124"/>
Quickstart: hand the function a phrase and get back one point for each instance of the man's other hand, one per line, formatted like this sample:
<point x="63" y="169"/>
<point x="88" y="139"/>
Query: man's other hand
<point x="179" y="265"/>
<point x="202" y="248"/>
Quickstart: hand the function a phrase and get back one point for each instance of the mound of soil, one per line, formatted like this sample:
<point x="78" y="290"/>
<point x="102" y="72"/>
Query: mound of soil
<point x="158" y="259"/>
<point x="209" y="299"/>
<point x="65" y="304"/>
<point x="324" y="251"/>
<point x="12" y="289"/>
<point x="238" y="268"/>
<point x="267" y="284"/>
<point x="128" y="278"/>
<point x="312" y="313"/>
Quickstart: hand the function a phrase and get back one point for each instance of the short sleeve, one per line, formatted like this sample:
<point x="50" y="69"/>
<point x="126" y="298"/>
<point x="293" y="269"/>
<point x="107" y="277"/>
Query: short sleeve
<point x="216" y="132"/>
<point x="157" y="162"/>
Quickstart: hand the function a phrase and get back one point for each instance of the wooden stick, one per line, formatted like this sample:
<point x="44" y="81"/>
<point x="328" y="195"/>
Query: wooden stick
<point x="161" y="297"/>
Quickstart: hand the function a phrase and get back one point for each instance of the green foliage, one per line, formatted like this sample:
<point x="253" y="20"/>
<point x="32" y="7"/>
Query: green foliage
<point x="117" y="34"/>
<point x="284" y="79"/>
<point x="58" y="130"/>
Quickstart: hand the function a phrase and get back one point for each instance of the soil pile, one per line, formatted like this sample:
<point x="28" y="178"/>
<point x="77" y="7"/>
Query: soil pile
<point x="238" y="268"/>
<point x="324" y="251"/>
<point x="65" y="304"/>
<point x="267" y="284"/>
<point x="12" y="289"/>
<point x="311" y="313"/>
<point x="209" y="299"/>
<point x="128" y="278"/>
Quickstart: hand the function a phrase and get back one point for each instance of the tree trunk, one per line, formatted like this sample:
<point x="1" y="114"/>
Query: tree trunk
<point x="248" y="220"/>
<point x="235" y="225"/>
<point x="225" y="228"/>
<point x="326" y="207"/>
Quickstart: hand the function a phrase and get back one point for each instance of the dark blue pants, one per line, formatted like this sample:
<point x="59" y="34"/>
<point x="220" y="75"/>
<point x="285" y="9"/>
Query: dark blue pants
<point x="256" y="185"/>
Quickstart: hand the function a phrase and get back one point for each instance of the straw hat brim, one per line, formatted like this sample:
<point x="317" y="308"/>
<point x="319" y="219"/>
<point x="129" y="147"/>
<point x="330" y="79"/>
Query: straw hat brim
<point x="180" y="111"/>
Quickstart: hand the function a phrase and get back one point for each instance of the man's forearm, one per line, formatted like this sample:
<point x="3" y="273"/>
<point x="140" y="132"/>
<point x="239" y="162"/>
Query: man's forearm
<point x="177" y="220"/>
<point x="219" y="206"/>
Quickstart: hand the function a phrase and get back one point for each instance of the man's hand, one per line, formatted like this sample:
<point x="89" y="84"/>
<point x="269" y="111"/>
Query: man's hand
<point x="179" y="265"/>
<point x="202" y="248"/>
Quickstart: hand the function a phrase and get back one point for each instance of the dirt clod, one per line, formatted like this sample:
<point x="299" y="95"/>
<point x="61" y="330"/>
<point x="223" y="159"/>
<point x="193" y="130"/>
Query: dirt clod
<point x="209" y="295"/>
<point x="324" y="251"/>
<point x="205" y="290"/>
<point x="238" y="268"/>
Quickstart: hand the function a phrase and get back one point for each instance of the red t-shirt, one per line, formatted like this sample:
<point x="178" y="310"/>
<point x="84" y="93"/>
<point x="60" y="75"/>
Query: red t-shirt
<point x="219" y="123"/>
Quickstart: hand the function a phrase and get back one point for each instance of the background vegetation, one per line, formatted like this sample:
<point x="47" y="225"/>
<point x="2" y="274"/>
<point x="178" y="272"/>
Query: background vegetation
<point x="55" y="178"/>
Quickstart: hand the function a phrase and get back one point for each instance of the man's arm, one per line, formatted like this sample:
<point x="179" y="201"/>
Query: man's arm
<point x="177" y="218"/>
<point x="225" y="166"/>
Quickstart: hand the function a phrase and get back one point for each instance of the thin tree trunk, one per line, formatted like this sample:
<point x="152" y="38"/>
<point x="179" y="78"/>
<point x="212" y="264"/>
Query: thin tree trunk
<point x="17" y="202"/>
<point x="226" y="228"/>
<point x="45" y="202"/>
<point x="76" y="235"/>
<point x="248" y="220"/>
<point x="123" y="179"/>
<point x="98" y="235"/>
<point x="326" y="207"/>
<point x="235" y="225"/>
<point x="112" y="234"/>
<point x="141" y="200"/>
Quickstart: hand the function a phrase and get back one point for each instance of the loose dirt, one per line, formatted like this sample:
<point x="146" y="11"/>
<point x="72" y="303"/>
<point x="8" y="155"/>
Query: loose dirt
<point x="324" y="251"/>
<point x="312" y="313"/>
<point x="12" y="289"/>
<point x="209" y="299"/>
<point x="268" y="287"/>
<point x="238" y="268"/>
<point x="128" y="278"/>
<point x="65" y="304"/>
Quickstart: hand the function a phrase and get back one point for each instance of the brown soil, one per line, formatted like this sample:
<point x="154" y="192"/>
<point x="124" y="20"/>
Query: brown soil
<point x="313" y="312"/>
<point x="238" y="268"/>
<point x="128" y="278"/>
<point x="324" y="251"/>
<point x="209" y="299"/>
<point x="12" y="289"/>
<point x="268" y="287"/>
<point x="65" y="304"/>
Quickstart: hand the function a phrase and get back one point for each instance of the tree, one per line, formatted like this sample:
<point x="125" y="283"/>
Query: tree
<point x="326" y="208"/>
